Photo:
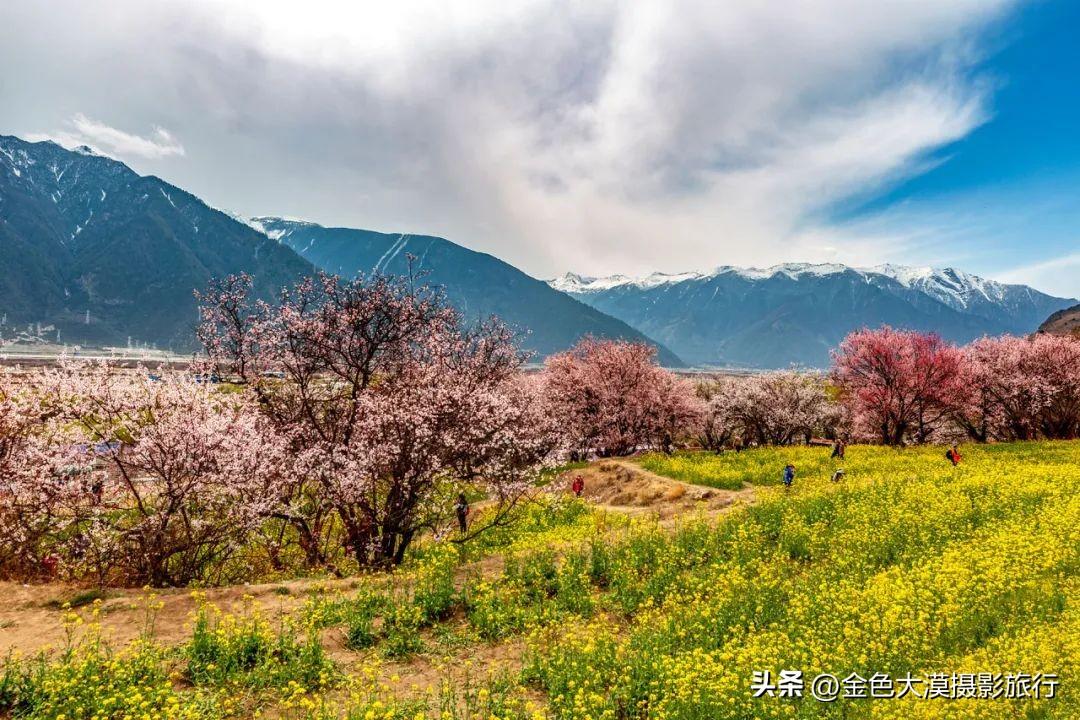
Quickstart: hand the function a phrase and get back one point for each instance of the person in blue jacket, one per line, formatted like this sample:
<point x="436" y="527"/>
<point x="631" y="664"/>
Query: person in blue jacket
<point x="789" y="475"/>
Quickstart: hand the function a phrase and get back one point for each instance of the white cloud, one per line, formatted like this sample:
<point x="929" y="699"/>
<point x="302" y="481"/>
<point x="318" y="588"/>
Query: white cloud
<point x="558" y="135"/>
<point x="82" y="130"/>
<point x="1058" y="276"/>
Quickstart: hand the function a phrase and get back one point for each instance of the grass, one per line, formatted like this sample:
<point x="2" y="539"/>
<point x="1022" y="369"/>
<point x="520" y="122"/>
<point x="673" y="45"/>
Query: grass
<point x="79" y="599"/>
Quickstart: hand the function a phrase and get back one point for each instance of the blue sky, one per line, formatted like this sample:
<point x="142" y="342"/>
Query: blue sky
<point x="1005" y="199"/>
<point x="600" y="137"/>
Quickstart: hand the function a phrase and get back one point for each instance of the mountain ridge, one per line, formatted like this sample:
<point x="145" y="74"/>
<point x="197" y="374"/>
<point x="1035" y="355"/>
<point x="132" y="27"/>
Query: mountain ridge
<point x="100" y="254"/>
<point x="91" y="252"/>
<point x="477" y="283"/>
<point x="794" y="313"/>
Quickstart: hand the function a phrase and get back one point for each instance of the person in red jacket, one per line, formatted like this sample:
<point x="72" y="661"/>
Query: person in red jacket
<point x="578" y="486"/>
<point x="953" y="454"/>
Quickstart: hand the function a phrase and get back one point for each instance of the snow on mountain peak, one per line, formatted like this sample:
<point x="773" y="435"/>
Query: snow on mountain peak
<point x="261" y="224"/>
<point x="903" y="274"/>
<point x="791" y="270"/>
<point x="948" y="285"/>
<point x="574" y="283"/>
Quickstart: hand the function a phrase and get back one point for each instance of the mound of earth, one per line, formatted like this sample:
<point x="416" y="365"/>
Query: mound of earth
<point x="1063" y="322"/>
<point x="621" y="485"/>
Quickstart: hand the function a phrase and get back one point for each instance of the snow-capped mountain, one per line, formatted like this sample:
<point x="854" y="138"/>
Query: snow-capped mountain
<point x="100" y="253"/>
<point x="796" y="312"/>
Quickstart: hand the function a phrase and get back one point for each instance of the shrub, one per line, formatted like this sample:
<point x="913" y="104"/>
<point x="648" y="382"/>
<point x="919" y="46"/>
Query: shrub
<point x="401" y="630"/>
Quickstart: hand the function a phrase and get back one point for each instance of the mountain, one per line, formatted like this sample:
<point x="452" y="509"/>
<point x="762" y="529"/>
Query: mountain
<point x="102" y="253"/>
<point x="1063" y="322"/>
<point x="478" y="284"/>
<point x="796" y="313"/>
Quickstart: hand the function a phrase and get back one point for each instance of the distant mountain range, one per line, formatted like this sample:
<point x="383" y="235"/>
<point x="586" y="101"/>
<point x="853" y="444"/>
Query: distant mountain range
<point x="796" y="313"/>
<point x="101" y="253"/>
<point x="476" y="283"/>
<point x="93" y="253"/>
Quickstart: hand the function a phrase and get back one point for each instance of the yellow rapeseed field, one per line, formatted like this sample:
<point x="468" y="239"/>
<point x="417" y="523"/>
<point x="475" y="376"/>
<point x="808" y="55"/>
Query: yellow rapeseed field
<point x="955" y="587"/>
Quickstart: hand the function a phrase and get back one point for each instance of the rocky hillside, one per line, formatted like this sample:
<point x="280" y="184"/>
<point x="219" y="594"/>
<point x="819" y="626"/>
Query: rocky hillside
<point x="1063" y="322"/>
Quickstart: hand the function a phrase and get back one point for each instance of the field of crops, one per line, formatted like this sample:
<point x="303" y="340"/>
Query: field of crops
<point x="908" y="567"/>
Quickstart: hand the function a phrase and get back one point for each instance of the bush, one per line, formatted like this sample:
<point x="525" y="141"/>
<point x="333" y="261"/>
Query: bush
<point x="573" y="589"/>
<point x="433" y="583"/>
<point x="401" y="631"/>
<point x="88" y="680"/>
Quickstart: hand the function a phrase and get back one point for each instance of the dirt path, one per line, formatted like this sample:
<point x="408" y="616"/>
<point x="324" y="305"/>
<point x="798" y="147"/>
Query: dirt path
<point x="31" y="615"/>
<point x="623" y="486"/>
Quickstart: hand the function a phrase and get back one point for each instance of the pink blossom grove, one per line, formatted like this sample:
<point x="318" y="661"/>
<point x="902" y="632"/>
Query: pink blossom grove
<point x="1021" y="388"/>
<point x="337" y="423"/>
<point x="903" y="386"/>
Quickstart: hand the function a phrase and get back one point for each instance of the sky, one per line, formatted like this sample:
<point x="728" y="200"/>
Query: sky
<point x="599" y="137"/>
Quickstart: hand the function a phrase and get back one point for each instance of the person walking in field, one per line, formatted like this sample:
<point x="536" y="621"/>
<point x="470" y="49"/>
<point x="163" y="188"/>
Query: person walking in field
<point x="838" y="450"/>
<point x="578" y="486"/>
<point x="953" y="455"/>
<point x="461" y="509"/>
<point x="49" y="565"/>
<point x="789" y="475"/>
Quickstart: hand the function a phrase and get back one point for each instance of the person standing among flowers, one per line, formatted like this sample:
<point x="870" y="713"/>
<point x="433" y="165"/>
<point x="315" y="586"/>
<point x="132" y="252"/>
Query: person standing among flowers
<point x="461" y="509"/>
<point x="789" y="475"/>
<point x="953" y="455"/>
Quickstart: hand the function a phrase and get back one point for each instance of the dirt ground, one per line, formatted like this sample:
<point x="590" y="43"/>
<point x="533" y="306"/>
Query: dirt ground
<point x="30" y="615"/>
<point x="620" y="485"/>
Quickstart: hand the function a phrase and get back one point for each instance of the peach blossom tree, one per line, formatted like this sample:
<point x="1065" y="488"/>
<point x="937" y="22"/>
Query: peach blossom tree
<point x="387" y="402"/>
<point x="898" y="386"/>
<point x="609" y="397"/>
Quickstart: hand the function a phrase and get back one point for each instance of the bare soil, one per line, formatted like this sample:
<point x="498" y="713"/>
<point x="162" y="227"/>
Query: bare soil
<point x="622" y="486"/>
<point x="31" y="615"/>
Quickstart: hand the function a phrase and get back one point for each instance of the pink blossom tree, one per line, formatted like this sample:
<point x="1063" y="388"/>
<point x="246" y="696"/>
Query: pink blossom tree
<point x="1021" y="388"/>
<point x="1056" y="361"/>
<point x="387" y="403"/>
<point x="610" y="398"/>
<point x="182" y="472"/>
<point x="778" y="408"/>
<point x="898" y="386"/>
<point x="39" y="477"/>
<point x="717" y="427"/>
